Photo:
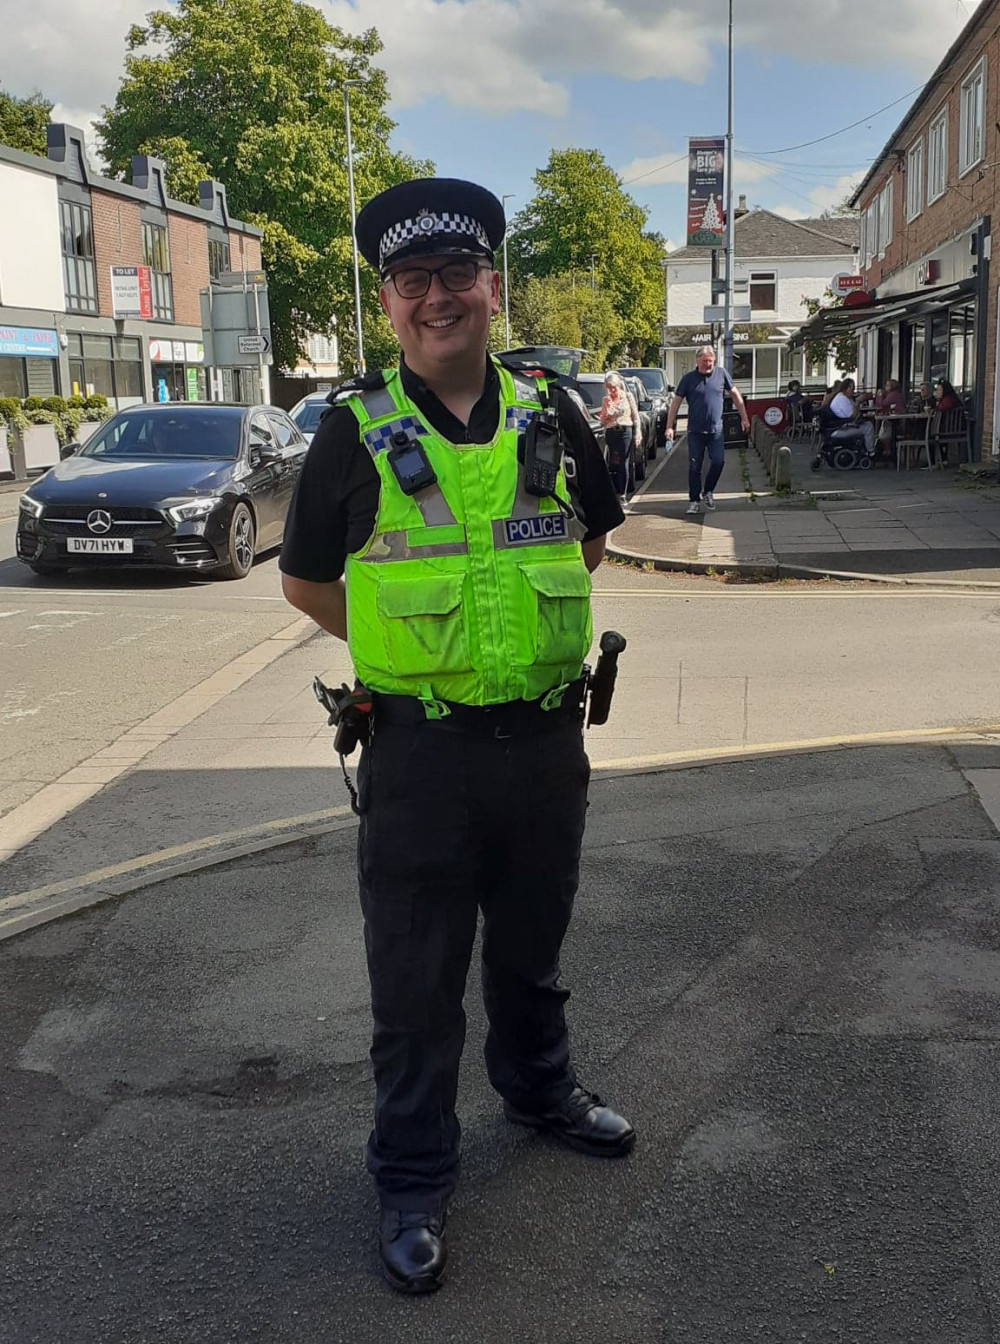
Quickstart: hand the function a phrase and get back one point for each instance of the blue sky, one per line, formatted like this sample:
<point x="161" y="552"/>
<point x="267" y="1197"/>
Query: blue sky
<point x="487" y="88"/>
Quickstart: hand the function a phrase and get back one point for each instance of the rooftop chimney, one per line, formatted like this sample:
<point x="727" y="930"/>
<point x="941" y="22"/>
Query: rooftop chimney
<point x="741" y="208"/>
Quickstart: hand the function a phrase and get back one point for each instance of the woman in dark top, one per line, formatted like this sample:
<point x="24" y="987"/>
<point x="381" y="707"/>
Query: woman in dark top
<point x="945" y="396"/>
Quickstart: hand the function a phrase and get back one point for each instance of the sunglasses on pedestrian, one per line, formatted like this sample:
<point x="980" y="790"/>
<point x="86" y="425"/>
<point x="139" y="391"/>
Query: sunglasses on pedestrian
<point x="456" y="276"/>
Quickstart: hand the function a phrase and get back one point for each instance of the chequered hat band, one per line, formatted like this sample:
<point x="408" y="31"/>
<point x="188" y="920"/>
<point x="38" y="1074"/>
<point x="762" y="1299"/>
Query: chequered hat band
<point x="426" y="225"/>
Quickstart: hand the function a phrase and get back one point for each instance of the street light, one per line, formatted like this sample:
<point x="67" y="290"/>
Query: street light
<point x="506" y="287"/>
<point x="727" y="338"/>
<point x="348" y="85"/>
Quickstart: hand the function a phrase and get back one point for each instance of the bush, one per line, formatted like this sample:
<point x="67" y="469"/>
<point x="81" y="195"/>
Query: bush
<point x="33" y="404"/>
<point x="10" y="411"/>
<point x="57" y="405"/>
<point x="76" y="403"/>
<point x="96" y="402"/>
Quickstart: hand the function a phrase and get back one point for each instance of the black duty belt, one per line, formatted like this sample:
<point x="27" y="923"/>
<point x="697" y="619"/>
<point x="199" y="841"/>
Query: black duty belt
<point x="515" y="718"/>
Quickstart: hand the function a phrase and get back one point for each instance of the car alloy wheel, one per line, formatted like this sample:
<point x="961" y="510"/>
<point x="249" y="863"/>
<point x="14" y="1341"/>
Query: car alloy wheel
<point x="240" y="545"/>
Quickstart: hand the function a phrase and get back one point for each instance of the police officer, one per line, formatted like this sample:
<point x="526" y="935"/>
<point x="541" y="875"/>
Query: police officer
<point x="464" y="598"/>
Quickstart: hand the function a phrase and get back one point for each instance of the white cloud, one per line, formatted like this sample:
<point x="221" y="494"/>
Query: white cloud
<point x="827" y="198"/>
<point x="503" y="56"/>
<point x="661" y="169"/>
<point x="789" y="212"/>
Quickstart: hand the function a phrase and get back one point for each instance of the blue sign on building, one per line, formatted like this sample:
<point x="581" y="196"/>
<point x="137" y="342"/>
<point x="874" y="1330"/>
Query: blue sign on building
<point x="28" y="341"/>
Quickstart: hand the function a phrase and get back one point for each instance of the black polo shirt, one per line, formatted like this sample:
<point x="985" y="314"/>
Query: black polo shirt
<point x="335" y="504"/>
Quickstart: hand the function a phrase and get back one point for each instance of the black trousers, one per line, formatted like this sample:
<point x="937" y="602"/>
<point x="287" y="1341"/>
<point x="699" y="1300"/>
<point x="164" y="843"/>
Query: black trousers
<point x="452" y="823"/>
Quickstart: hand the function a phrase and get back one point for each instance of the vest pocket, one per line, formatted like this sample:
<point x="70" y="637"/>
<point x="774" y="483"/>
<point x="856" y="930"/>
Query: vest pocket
<point x="422" y="624"/>
<point x="561" y="591"/>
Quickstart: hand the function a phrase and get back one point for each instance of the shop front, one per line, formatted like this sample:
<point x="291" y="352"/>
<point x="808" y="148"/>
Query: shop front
<point x="762" y="362"/>
<point x="29" y="359"/>
<point x="108" y="365"/>
<point x="178" y="370"/>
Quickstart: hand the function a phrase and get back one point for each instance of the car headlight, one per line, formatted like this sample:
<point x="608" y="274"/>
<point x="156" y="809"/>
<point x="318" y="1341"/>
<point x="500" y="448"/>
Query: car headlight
<point x="32" y="506"/>
<point x="193" y="508"/>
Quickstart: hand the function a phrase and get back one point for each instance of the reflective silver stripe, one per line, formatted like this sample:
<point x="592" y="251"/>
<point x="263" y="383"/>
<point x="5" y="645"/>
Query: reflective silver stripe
<point x="434" y="508"/>
<point x="378" y="402"/>
<point x="392" y="546"/>
<point x="525" y="389"/>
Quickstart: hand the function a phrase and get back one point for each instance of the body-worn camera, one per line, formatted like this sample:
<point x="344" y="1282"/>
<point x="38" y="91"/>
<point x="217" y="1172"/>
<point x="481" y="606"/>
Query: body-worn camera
<point x="409" y="463"/>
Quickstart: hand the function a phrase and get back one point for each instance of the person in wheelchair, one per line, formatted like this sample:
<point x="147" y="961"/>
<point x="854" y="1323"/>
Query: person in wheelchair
<point x="844" y="412"/>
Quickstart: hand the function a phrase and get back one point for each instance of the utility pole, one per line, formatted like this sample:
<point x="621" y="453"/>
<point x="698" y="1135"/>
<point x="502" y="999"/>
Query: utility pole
<point x="506" y="284"/>
<point x="727" y="337"/>
<point x="348" y="84"/>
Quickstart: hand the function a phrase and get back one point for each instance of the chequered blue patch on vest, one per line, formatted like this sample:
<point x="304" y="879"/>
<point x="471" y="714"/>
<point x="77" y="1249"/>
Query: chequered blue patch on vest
<point x="530" y="531"/>
<point x="518" y="417"/>
<point x="379" y="439"/>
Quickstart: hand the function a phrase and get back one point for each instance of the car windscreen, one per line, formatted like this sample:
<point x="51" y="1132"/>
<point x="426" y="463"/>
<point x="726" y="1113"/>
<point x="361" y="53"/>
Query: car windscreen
<point x="309" y="414"/>
<point x="158" y="435"/>
<point x="653" y="380"/>
<point x="592" y="393"/>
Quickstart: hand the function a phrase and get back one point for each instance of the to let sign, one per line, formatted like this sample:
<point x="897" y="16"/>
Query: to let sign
<point x="131" y="292"/>
<point x="706" y="222"/>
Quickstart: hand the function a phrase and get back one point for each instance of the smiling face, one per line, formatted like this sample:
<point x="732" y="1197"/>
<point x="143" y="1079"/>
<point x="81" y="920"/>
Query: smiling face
<point x="442" y="328"/>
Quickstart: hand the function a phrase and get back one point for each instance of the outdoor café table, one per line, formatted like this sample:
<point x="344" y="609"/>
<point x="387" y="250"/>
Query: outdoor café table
<point x="920" y="422"/>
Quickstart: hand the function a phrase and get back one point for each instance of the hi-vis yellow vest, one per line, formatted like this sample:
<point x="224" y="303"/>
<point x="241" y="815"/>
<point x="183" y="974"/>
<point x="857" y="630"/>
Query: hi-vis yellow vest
<point x="471" y="590"/>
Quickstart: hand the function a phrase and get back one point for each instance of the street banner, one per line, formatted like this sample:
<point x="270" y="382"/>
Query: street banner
<point x="706" y="187"/>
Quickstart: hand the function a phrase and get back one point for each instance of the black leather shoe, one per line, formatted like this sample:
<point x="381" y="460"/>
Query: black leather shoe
<point x="583" y="1121"/>
<point x="412" y="1249"/>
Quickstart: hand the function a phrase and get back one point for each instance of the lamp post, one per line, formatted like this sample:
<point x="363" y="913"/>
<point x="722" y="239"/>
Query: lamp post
<point x="506" y="285"/>
<point x="348" y="84"/>
<point x="727" y="327"/>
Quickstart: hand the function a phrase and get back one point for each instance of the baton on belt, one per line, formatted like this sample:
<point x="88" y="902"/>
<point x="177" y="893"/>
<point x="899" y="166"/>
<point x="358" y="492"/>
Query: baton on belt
<point x="602" y="683"/>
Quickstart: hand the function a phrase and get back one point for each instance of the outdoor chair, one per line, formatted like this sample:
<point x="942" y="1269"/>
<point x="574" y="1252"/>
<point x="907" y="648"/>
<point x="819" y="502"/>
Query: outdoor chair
<point x="948" y="428"/>
<point x="913" y="436"/>
<point x="795" y="420"/>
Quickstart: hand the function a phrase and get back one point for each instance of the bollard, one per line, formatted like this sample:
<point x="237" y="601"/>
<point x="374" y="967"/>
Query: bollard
<point x="772" y="459"/>
<point x="783" y="468"/>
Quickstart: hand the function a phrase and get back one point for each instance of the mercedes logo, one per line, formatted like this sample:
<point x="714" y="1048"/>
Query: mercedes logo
<point x="99" y="521"/>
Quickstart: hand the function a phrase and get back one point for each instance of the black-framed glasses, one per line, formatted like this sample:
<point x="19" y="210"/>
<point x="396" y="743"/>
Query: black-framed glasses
<point x="457" y="276"/>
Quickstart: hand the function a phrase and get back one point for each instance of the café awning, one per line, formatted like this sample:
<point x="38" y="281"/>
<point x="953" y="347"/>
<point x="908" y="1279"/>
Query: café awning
<point x="829" y="323"/>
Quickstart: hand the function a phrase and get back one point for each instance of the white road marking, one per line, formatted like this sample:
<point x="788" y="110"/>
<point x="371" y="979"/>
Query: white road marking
<point x="19" y="612"/>
<point x="70" y="613"/>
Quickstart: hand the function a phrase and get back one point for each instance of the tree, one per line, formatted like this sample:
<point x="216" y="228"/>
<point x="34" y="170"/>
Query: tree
<point x="565" y="310"/>
<point x="250" y="92"/>
<point x="23" y="122"/>
<point x="582" y="220"/>
<point x="844" y="349"/>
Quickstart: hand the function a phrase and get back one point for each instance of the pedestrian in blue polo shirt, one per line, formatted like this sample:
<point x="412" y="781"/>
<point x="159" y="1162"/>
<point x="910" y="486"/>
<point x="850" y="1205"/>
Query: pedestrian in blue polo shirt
<point x="703" y="389"/>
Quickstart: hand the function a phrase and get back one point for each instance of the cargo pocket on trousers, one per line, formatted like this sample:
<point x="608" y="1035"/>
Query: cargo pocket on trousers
<point x="423" y="624"/>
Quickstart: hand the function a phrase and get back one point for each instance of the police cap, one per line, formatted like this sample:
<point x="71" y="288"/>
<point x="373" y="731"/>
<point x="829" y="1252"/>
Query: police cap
<point x="429" y="216"/>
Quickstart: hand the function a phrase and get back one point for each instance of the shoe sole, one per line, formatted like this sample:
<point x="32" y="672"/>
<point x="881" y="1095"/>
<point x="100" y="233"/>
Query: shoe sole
<point x="428" y="1284"/>
<point x="624" y="1146"/>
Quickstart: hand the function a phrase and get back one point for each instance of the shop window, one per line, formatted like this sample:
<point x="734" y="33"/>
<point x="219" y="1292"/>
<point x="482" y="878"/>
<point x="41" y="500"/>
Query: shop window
<point x="763" y="291"/>
<point x="971" y="120"/>
<point x="78" y="257"/>
<point x="937" y="157"/>
<point x="13" y="382"/>
<point x="218" y="257"/>
<point x="766" y="370"/>
<point x="940" y="346"/>
<point x="156" y="255"/>
<point x="915" y="180"/>
<point x="962" y="339"/>
<point x="743" y="369"/>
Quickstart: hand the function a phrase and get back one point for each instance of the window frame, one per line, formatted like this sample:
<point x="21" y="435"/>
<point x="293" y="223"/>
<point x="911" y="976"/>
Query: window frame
<point x="763" y="278"/>
<point x="915" y="189"/>
<point x="886" y="204"/>
<point x="214" y="244"/>
<point x="941" y="120"/>
<point x="977" y="75"/>
<point x="78" y="264"/>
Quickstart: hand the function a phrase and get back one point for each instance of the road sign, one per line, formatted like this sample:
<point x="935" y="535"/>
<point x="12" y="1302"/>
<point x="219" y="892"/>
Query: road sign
<point x="253" y="345"/>
<point x="716" y="312"/>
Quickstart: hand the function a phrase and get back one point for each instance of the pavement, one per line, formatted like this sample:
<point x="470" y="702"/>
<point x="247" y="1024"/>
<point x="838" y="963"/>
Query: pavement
<point x="939" y="526"/>
<point x="784" y="969"/>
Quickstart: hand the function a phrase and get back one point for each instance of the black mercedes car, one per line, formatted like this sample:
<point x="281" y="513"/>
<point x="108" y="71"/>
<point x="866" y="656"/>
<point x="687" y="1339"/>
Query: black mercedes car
<point x="200" y="486"/>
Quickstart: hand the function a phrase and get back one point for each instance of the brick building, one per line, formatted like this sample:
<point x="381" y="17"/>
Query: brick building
<point x="926" y="206"/>
<point x="64" y="232"/>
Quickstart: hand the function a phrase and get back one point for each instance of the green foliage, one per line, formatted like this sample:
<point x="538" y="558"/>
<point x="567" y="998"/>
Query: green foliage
<point x="844" y="349"/>
<point x="565" y="310"/>
<point x="76" y="403"/>
<point x="10" y="411"/>
<point x="55" y="404"/>
<point x="43" y="417"/>
<point x="95" y="402"/>
<point x="33" y="404"/>
<point x="23" y="122"/>
<point x="581" y="220"/>
<point x="250" y="92"/>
